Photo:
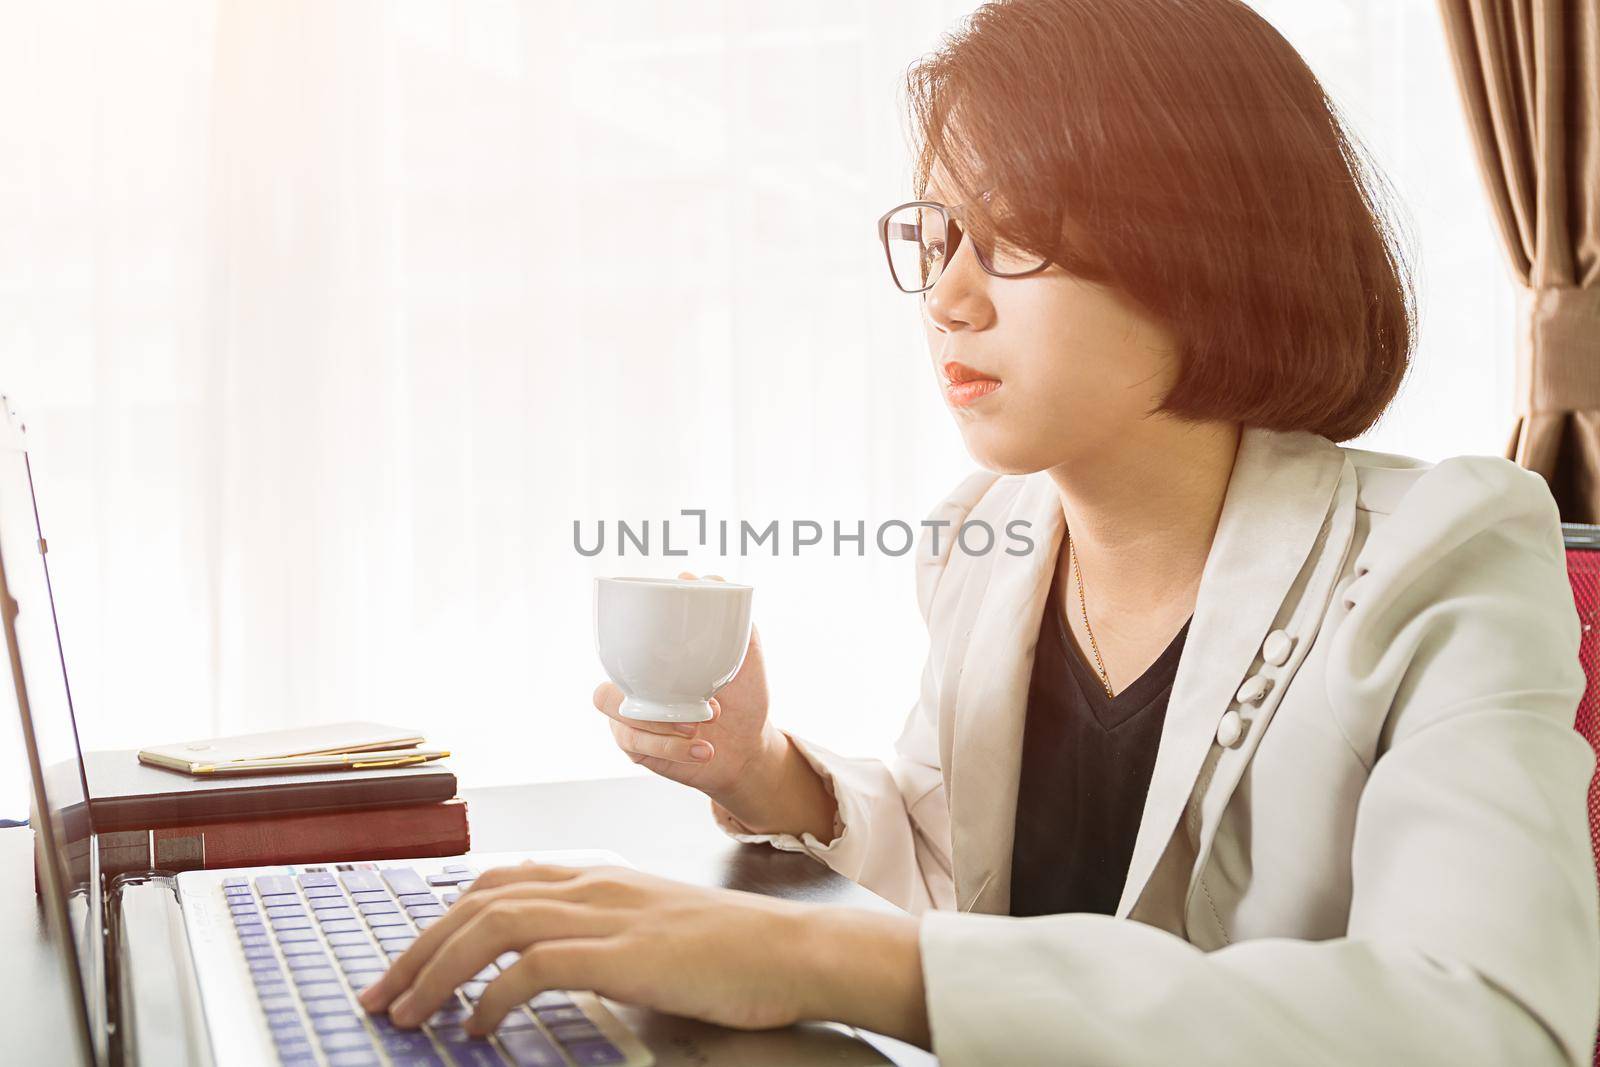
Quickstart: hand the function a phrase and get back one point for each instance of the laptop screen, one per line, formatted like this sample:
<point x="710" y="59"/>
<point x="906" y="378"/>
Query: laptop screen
<point x="66" y="867"/>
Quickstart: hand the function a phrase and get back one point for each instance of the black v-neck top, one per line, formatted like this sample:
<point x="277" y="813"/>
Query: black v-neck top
<point x="1086" y="764"/>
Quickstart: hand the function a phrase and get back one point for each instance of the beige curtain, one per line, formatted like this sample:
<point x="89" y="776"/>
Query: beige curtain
<point x="1529" y="74"/>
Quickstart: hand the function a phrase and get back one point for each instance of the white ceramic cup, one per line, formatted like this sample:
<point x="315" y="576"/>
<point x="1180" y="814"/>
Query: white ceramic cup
<point x="670" y="643"/>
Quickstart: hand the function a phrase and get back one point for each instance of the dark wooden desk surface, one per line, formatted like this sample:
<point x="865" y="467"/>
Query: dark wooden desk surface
<point x="657" y="826"/>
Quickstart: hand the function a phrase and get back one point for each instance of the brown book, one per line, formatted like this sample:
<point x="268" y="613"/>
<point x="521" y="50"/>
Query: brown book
<point x="438" y="829"/>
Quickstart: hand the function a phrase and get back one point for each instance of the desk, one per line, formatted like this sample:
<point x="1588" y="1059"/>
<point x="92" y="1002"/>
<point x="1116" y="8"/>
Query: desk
<point x="660" y="827"/>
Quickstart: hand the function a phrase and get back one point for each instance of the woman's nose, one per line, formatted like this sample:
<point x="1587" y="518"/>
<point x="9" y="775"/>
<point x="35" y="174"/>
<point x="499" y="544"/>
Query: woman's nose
<point x="960" y="296"/>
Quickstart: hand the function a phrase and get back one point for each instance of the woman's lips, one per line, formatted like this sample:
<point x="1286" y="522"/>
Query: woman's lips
<point x="964" y="386"/>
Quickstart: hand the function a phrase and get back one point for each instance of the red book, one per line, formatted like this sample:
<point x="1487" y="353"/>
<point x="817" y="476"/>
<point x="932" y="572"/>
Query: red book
<point x="438" y="829"/>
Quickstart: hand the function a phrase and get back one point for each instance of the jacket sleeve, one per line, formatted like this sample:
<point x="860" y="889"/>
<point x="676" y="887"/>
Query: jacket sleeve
<point x="892" y="831"/>
<point x="1472" y="935"/>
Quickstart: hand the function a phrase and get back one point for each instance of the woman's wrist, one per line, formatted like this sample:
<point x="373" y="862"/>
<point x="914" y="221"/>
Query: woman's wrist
<point x="863" y="968"/>
<point x="780" y="792"/>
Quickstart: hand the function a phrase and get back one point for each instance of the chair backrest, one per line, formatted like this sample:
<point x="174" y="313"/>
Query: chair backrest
<point x="1583" y="569"/>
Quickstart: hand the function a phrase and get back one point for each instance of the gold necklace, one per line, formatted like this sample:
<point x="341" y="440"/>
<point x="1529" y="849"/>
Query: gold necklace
<point x="1099" y="666"/>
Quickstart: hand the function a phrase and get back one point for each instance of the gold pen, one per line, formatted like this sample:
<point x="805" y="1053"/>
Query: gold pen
<point x="352" y="760"/>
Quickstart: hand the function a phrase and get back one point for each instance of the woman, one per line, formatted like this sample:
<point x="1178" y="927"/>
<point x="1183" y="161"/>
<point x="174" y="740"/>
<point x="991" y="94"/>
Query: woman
<point x="1265" y="753"/>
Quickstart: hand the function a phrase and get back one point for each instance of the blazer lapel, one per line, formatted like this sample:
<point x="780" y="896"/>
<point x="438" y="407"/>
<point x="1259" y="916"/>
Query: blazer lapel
<point x="1277" y="500"/>
<point x="984" y="750"/>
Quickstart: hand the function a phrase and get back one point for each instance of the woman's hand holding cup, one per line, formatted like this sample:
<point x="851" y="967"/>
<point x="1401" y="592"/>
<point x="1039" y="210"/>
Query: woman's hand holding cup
<point x="716" y="757"/>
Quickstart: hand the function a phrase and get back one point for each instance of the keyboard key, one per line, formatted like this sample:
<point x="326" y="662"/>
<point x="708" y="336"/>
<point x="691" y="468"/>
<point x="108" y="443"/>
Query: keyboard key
<point x="426" y="921"/>
<point x="530" y="1048"/>
<point x="250" y="930"/>
<point x="460" y="868"/>
<point x="333" y="915"/>
<point x="345" y="952"/>
<point x="409" y="899"/>
<point x="277" y="1020"/>
<point x="418" y="911"/>
<point x="314" y="976"/>
<point x="389" y="918"/>
<point x="244" y="907"/>
<point x="394" y="953"/>
<point x="360" y="980"/>
<point x="292" y="922"/>
<point x="231" y="883"/>
<point x="451" y="898"/>
<point x="285" y="911"/>
<point x="566" y="1033"/>
<point x="450" y="1015"/>
<point x="340" y="1040"/>
<point x="269" y="962"/>
<point x="341" y="926"/>
<point x="552" y="1016"/>
<point x="356" y="938"/>
<point x="300" y="948"/>
<point x="338" y="903"/>
<point x="268" y="884"/>
<point x="489" y="973"/>
<point x="418" y="1059"/>
<point x="301" y="963"/>
<point x="506" y="960"/>
<point x="404" y="880"/>
<point x="405" y="1042"/>
<point x="376" y="907"/>
<point x="361" y="881"/>
<point x="279" y="1003"/>
<point x="516" y="1020"/>
<point x="270" y="899"/>
<point x="255" y="942"/>
<point x="360" y="963"/>
<point x="318" y="880"/>
<point x="595" y="1053"/>
<point x="473" y="990"/>
<point x="325" y="892"/>
<point x="395" y="937"/>
<point x="263" y="953"/>
<point x="270" y="985"/>
<point x="367" y="896"/>
<point x="476" y="1054"/>
<point x="330" y="1024"/>
<point x="327" y="1006"/>
<point x="354" y="1059"/>
<point x="289" y="937"/>
<point x="550" y="998"/>
<point x="296" y="1053"/>
<point x="449" y="878"/>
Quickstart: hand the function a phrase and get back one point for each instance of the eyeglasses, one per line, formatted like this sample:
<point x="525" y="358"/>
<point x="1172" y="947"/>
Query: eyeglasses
<point x="920" y="237"/>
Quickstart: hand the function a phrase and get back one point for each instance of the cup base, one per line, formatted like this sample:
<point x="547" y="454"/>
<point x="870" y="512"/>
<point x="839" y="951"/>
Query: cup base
<point x="656" y="711"/>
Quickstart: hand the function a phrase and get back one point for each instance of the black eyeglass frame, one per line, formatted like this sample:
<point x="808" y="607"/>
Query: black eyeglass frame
<point x="952" y="223"/>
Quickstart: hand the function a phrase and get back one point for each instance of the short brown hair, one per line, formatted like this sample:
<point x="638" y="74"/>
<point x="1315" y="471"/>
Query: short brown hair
<point x="1182" y="152"/>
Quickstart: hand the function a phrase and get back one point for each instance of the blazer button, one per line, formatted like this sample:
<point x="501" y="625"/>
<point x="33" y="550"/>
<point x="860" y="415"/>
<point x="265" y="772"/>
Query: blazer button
<point x="1254" y="688"/>
<point x="1277" y="648"/>
<point x="1230" y="729"/>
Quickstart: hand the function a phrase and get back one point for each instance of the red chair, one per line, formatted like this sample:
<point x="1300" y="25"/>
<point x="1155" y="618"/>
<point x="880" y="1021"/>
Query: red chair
<point x="1583" y="568"/>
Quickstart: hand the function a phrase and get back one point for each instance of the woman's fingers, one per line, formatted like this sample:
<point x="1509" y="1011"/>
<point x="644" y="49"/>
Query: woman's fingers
<point x="608" y="701"/>
<point x="526" y="871"/>
<point x="508" y="924"/>
<point x="644" y="743"/>
<point x="403" y="971"/>
<point x="576" y="963"/>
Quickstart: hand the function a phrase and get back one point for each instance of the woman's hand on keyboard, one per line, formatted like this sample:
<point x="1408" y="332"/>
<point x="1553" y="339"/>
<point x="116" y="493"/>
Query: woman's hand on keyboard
<point x="715" y="756"/>
<point x="723" y="956"/>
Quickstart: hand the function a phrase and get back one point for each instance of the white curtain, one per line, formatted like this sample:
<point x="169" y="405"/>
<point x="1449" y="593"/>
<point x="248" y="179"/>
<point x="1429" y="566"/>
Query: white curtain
<point x="330" y="319"/>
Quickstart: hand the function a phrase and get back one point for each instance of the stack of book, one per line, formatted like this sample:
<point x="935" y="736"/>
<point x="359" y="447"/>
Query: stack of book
<point x="148" y="817"/>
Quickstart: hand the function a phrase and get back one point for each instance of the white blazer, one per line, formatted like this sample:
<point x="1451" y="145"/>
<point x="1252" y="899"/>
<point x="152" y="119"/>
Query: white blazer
<point x="1387" y="862"/>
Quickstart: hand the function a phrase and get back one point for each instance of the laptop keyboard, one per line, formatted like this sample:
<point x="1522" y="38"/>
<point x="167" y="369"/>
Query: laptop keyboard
<point x="315" y="940"/>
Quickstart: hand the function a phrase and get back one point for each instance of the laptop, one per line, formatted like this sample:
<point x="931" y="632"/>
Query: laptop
<point x="261" y="966"/>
